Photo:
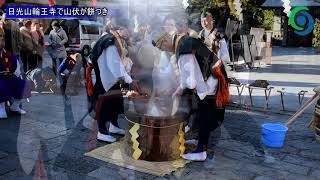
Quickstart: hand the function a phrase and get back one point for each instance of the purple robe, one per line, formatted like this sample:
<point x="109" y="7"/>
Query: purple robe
<point x="10" y="85"/>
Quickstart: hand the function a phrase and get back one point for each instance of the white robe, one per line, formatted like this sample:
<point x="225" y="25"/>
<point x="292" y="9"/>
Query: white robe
<point x="191" y="77"/>
<point x="112" y="68"/>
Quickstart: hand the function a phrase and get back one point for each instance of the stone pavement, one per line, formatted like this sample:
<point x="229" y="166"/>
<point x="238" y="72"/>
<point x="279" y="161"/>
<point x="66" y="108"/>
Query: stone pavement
<point x="49" y="143"/>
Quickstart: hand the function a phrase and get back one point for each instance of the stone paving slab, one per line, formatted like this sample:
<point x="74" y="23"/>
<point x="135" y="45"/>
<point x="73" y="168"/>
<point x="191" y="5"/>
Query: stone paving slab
<point x="8" y="164"/>
<point x="298" y="160"/>
<point x="235" y="156"/>
<point x="3" y="154"/>
<point x="315" y="173"/>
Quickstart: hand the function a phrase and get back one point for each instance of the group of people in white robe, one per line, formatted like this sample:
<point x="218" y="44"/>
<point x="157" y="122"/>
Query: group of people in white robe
<point x="177" y="62"/>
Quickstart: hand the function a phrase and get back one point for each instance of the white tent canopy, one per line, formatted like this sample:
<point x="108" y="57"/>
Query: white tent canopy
<point x="294" y="3"/>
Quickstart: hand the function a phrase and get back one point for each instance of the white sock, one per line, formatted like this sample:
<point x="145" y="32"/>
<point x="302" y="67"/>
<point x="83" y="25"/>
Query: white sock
<point x="16" y="103"/>
<point x="113" y="126"/>
<point x="115" y="129"/>
<point x="201" y="156"/>
<point x="192" y="141"/>
<point x="3" y="112"/>
<point x="2" y="106"/>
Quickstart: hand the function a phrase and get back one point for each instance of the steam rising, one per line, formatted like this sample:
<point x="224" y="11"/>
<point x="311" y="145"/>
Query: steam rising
<point x="159" y="84"/>
<point x="153" y="68"/>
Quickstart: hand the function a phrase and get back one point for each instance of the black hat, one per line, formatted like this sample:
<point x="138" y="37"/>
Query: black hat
<point x="206" y="14"/>
<point x="27" y="23"/>
<point x="55" y="24"/>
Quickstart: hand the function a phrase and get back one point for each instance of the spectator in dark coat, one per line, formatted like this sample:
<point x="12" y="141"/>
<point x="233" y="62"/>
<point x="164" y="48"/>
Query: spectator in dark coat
<point x="27" y="47"/>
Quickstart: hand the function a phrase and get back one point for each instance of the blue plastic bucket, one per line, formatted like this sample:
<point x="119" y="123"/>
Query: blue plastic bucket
<point x="273" y="135"/>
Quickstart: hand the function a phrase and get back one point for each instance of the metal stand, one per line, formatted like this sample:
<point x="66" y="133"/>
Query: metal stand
<point x="267" y="92"/>
<point x="239" y="90"/>
<point x="283" y="92"/>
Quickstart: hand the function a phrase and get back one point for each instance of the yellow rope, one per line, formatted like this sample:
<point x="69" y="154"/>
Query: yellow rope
<point x="181" y="140"/>
<point x="155" y="127"/>
<point x="135" y="144"/>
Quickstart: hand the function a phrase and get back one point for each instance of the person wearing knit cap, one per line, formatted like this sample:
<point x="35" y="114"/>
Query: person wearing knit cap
<point x="12" y="87"/>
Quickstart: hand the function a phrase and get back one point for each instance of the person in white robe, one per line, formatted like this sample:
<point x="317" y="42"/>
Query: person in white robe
<point x="111" y="69"/>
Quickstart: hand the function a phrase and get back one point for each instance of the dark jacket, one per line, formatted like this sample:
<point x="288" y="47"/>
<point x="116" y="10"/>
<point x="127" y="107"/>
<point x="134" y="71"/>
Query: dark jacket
<point x="27" y="43"/>
<point x="206" y="59"/>
<point x="12" y="36"/>
<point x="103" y="43"/>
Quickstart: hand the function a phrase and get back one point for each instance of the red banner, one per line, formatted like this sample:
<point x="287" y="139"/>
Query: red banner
<point x="94" y="2"/>
<point x="2" y="2"/>
<point x="51" y="2"/>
